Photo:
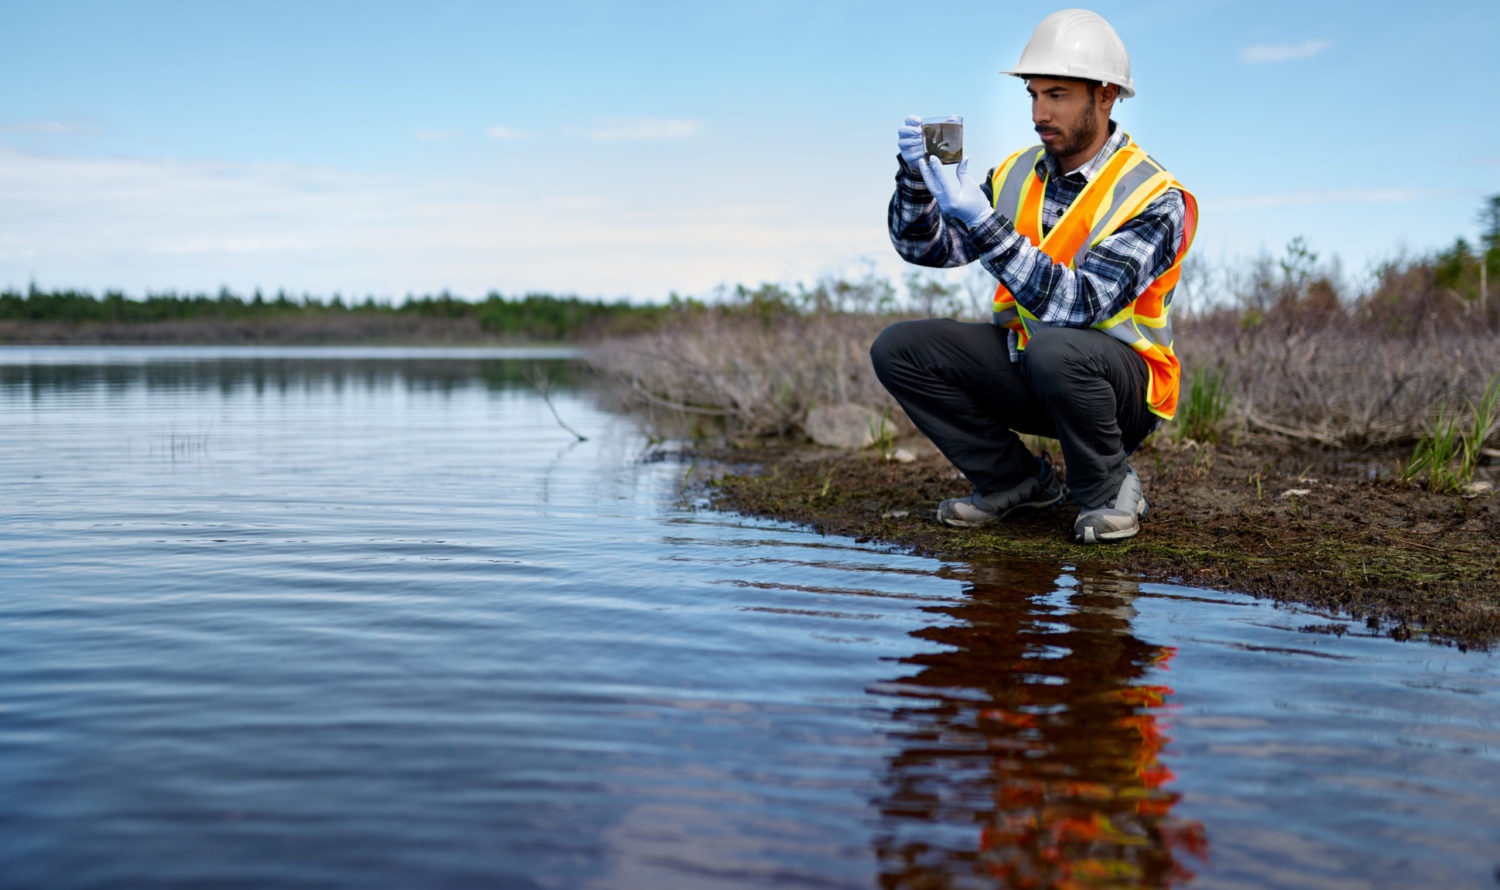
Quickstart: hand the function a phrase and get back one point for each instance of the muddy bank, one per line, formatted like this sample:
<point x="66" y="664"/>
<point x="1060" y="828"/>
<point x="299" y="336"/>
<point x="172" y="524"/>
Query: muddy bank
<point x="1332" y="530"/>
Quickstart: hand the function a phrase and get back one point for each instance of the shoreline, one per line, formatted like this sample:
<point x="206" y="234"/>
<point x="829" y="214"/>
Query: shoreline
<point x="1329" y="530"/>
<point x="1324" y="527"/>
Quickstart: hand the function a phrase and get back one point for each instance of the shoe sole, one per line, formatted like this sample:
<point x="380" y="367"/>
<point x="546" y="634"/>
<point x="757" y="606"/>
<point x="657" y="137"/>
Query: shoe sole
<point x="1089" y="536"/>
<point x="980" y="523"/>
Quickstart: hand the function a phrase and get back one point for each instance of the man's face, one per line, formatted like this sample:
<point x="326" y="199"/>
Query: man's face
<point x="1065" y="114"/>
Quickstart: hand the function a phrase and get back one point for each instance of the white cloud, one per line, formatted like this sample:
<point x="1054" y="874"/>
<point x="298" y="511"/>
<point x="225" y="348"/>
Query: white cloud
<point x="142" y="225"/>
<point x="501" y="133"/>
<point x="638" y="129"/>
<point x="1283" y="52"/>
<point x="45" y="128"/>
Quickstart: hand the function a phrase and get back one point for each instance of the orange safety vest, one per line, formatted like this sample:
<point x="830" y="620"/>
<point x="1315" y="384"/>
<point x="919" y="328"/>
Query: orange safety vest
<point x="1129" y="182"/>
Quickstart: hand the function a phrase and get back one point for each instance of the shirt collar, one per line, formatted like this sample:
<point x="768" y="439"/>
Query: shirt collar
<point x="1047" y="166"/>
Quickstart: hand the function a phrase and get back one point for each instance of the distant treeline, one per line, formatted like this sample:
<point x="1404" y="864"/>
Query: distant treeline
<point x="1451" y="289"/>
<point x="536" y="317"/>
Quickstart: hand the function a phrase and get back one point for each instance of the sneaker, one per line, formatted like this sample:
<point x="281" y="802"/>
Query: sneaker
<point x="1115" y="521"/>
<point x="1041" y="490"/>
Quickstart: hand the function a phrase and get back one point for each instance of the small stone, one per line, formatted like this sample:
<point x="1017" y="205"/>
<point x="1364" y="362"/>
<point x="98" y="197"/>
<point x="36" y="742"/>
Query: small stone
<point x="902" y="456"/>
<point x="895" y="514"/>
<point x="1475" y="489"/>
<point x="845" y="425"/>
<point x="1295" y="493"/>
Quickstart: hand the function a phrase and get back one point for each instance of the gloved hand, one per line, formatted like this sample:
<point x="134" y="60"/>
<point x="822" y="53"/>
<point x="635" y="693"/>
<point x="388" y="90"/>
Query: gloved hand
<point x="957" y="195"/>
<point x="909" y="139"/>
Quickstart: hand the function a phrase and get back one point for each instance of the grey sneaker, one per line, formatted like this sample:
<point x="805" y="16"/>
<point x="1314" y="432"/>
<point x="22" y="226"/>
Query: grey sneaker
<point x="1041" y="490"/>
<point x="1115" y="521"/>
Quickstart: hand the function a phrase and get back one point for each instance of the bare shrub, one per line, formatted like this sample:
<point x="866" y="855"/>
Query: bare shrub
<point x="1337" y="384"/>
<point x="1306" y="362"/>
<point x="1294" y="354"/>
<point x="747" y="375"/>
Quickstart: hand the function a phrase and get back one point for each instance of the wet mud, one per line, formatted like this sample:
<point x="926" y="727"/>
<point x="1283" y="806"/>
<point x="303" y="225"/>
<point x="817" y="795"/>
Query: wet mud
<point x="1331" y="530"/>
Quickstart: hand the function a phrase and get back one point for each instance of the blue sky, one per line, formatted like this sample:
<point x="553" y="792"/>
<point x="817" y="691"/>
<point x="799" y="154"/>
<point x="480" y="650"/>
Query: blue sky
<point x="630" y="150"/>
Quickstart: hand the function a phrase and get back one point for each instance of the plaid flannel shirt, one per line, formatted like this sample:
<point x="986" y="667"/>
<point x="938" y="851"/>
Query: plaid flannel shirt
<point x="1112" y="274"/>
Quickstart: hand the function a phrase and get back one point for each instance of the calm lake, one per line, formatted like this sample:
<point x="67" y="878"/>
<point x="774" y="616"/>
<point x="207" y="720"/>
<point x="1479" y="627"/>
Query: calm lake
<point x="338" y="618"/>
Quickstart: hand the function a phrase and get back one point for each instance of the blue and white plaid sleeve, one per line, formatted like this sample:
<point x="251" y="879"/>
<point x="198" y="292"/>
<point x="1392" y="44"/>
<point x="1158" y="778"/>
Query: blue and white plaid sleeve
<point x="1112" y="274"/>
<point x="919" y="232"/>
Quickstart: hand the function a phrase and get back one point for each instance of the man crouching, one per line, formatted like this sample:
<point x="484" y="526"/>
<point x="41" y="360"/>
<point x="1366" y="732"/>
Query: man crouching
<point x="1086" y="234"/>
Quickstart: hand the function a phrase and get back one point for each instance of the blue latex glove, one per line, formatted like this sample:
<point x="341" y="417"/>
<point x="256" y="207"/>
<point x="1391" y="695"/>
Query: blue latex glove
<point x="909" y="139"/>
<point x="957" y="195"/>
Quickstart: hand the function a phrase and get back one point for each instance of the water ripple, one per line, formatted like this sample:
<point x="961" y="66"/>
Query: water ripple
<point x="281" y="619"/>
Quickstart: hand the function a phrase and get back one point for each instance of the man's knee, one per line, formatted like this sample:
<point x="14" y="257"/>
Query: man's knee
<point x="899" y="340"/>
<point x="1054" y="355"/>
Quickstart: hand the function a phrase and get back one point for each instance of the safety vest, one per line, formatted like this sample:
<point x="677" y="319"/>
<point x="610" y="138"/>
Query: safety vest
<point x="1129" y="182"/>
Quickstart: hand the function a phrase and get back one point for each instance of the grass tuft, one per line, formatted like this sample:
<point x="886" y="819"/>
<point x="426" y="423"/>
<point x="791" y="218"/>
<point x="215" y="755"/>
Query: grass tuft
<point x="1446" y="456"/>
<point x="1206" y="406"/>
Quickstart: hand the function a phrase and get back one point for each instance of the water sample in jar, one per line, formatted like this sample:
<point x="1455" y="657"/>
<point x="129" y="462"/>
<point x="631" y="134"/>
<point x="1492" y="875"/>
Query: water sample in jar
<point x="945" y="138"/>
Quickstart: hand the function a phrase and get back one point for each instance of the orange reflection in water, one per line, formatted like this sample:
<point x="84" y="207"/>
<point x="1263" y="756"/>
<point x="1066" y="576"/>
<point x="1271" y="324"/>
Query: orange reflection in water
<point x="1031" y="749"/>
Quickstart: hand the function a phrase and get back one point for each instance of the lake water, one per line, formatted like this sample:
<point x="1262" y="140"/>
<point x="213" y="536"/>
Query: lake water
<point x="286" y="618"/>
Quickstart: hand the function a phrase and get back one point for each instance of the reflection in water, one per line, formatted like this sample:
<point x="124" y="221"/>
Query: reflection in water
<point x="280" y="375"/>
<point x="380" y="622"/>
<point x="1031" y="751"/>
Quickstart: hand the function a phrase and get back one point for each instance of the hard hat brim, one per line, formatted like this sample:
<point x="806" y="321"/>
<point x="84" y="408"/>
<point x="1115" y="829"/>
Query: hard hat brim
<point x="1127" y="90"/>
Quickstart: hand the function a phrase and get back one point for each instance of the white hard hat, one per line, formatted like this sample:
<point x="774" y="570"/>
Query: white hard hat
<point x="1079" y="44"/>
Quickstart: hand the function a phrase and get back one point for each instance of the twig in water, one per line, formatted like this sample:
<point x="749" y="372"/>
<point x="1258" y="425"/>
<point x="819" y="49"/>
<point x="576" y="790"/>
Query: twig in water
<point x="543" y="386"/>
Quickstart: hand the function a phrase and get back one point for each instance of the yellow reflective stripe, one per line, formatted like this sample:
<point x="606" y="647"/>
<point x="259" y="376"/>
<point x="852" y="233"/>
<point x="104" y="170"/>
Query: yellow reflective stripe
<point x="1127" y="333"/>
<point x="1148" y="321"/>
<point x="1154" y="186"/>
<point x="1116" y="167"/>
<point x="1108" y="216"/>
<point x="1134" y="170"/>
<point x="1123" y="315"/>
<point x="997" y="181"/>
<point x="1008" y="184"/>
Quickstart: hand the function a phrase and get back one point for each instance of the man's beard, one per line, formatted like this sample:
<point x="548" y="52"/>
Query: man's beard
<point x="1075" y="140"/>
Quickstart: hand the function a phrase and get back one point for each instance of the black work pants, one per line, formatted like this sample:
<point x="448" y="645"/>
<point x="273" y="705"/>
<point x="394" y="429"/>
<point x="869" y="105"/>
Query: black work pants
<point x="1080" y="386"/>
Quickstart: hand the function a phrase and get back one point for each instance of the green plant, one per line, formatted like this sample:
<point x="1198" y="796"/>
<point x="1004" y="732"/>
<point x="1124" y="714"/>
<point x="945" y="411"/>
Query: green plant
<point x="882" y="434"/>
<point x="1206" y="406"/>
<point x="1447" y="455"/>
<point x="1435" y="453"/>
<point x="1484" y="421"/>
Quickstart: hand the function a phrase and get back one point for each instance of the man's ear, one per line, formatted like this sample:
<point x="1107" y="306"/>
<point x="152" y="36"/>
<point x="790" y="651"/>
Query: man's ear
<point x="1106" y="96"/>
